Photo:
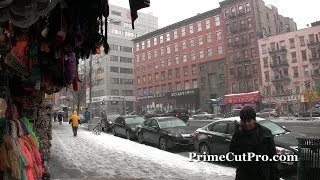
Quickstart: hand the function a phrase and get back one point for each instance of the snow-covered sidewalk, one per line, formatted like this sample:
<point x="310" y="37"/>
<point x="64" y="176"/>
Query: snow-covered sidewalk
<point x="89" y="156"/>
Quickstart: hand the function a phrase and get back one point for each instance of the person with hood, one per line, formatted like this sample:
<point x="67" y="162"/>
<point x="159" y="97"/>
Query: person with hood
<point x="75" y="121"/>
<point x="252" y="137"/>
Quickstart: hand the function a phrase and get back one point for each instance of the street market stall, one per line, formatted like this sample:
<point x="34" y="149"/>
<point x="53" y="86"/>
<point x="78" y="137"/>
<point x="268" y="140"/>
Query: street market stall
<point x="41" y="42"/>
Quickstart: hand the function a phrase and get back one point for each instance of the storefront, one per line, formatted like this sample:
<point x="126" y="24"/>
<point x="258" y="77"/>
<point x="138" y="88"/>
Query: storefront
<point x="238" y="101"/>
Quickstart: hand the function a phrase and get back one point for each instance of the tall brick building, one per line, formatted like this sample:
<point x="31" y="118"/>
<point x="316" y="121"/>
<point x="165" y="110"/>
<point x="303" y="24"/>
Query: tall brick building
<point x="245" y="21"/>
<point x="167" y="62"/>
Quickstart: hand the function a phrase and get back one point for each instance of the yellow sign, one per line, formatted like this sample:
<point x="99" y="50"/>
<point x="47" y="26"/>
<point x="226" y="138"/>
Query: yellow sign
<point x="311" y="96"/>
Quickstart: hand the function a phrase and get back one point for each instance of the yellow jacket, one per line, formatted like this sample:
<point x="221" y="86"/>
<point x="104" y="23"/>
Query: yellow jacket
<point x="74" y="119"/>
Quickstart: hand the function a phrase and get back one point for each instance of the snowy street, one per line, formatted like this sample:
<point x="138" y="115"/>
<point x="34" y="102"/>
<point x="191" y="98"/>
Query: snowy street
<point x="90" y="156"/>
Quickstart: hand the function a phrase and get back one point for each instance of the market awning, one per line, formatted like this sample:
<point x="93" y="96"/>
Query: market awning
<point x="242" y="98"/>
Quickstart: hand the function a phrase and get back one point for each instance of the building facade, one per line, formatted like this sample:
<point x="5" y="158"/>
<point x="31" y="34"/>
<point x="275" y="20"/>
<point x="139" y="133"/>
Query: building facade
<point x="113" y="74"/>
<point x="245" y="21"/>
<point x="167" y="61"/>
<point x="290" y="67"/>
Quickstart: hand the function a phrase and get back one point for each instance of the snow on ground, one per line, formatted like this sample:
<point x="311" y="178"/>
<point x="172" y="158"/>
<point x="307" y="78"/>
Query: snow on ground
<point x="89" y="156"/>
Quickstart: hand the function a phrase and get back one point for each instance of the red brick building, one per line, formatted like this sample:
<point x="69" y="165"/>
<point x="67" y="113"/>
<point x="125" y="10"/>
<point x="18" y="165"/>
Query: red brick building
<point x="167" y="61"/>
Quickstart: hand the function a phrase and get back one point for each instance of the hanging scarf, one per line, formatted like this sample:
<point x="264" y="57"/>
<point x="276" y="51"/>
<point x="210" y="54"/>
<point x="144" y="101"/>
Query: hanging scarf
<point x="36" y="154"/>
<point x="13" y="156"/>
<point x="34" y="167"/>
<point x="24" y="162"/>
<point x="29" y="161"/>
<point x="30" y="131"/>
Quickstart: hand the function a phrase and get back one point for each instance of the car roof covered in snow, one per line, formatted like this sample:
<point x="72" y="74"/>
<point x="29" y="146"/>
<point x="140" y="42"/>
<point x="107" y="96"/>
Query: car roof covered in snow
<point x="237" y="118"/>
<point x="166" y="118"/>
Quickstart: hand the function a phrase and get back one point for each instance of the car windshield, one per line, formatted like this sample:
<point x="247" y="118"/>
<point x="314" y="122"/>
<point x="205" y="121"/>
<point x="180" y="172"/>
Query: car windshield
<point x="273" y="127"/>
<point x="236" y="112"/>
<point x="134" y="120"/>
<point x="170" y="123"/>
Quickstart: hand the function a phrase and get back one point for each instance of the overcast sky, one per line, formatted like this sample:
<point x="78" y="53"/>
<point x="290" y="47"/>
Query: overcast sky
<point x="171" y="11"/>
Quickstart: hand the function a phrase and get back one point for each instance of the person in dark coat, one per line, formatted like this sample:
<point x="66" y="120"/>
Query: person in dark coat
<point x="253" y="137"/>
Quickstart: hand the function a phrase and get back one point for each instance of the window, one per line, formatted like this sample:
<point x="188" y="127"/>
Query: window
<point x="162" y="63"/>
<point x="292" y="45"/>
<point x="177" y="59"/>
<point x="265" y="62"/>
<point x="253" y="52"/>
<point x="163" y="88"/>
<point x="184" y="45"/>
<point x="156" y="66"/>
<point x="170" y="87"/>
<point x="126" y="70"/>
<point x="125" y="60"/>
<point x="186" y="85"/>
<point x="305" y="70"/>
<point x="144" y="91"/>
<point x="115" y="58"/>
<point x="193" y="69"/>
<point x="185" y="70"/>
<point x="254" y="69"/>
<point x="302" y="42"/>
<point x="210" y="51"/>
<point x="116" y="13"/>
<point x="178" y="88"/>
<point x="184" y="58"/>
<point x="200" y="40"/>
<point x="156" y="77"/>
<point x="169" y="61"/>
<point x="248" y="7"/>
<point x="217" y="20"/>
<point x="177" y="70"/>
<point x="161" y="39"/>
<point x="191" y="42"/>
<point x="126" y="24"/>
<point x="264" y="49"/>
<point x="251" y="36"/>
<point x="256" y="84"/>
<point x="150" y="90"/>
<point x="155" y="53"/>
<point x="169" y="74"/>
<point x="218" y="127"/>
<point x="148" y="43"/>
<point x="168" y="49"/>
<point x="176" y="47"/>
<point x="229" y="42"/>
<point x="201" y="55"/>
<point x="155" y="39"/>
<point x="304" y="55"/>
<point x="209" y="40"/>
<point x="161" y="51"/>
<point x="194" y="83"/>
<point x="175" y="34"/>
<point x="233" y="11"/>
<point x="168" y="36"/>
<point x="162" y="76"/>
<point x="240" y="8"/>
<point x="249" y="22"/>
<point x="295" y="72"/>
<point x="137" y="47"/>
<point x="199" y="25"/>
<point x="219" y="35"/>
<point x="242" y="24"/>
<point x="142" y="45"/>
<point x="191" y="28"/>
<point x="143" y="57"/>
<point x="148" y="55"/>
<point x="226" y="13"/>
<point x="183" y="32"/>
<point x="311" y="38"/>
<point x="116" y="81"/>
<point x="114" y="92"/>
<point x="114" y="69"/>
<point x="193" y="56"/>
<point x="220" y="49"/>
<point x="294" y="57"/>
<point x="228" y="28"/>
<point x="149" y="78"/>
<point x="267" y="76"/>
<point x="207" y="23"/>
<point x="157" y="92"/>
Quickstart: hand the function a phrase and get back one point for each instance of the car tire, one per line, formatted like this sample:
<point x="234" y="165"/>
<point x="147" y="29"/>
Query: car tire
<point x="163" y="144"/>
<point x="140" y="138"/>
<point x="194" y="118"/>
<point x="204" y="148"/>
<point x="128" y="135"/>
<point x="114" y="132"/>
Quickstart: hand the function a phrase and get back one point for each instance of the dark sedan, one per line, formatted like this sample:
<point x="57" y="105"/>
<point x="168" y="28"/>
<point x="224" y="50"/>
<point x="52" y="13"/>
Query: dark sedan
<point x="215" y="137"/>
<point x="166" y="132"/>
<point x="127" y="126"/>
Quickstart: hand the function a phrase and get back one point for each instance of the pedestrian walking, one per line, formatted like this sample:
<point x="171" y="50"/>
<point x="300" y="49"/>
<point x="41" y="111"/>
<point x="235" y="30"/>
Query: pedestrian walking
<point x="253" y="137"/>
<point x="74" y="120"/>
<point x="55" y="116"/>
<point x="60" y="118"/>
<point x="87" y="115"/>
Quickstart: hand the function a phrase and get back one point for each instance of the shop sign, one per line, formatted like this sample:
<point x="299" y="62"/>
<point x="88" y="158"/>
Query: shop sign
<point x="242" y="98"/>
<point x="189" y="92"/>
<point x="152" y="96"/>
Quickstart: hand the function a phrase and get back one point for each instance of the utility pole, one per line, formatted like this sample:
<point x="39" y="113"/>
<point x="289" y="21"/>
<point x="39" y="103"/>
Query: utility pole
<point x="124" y="105"/>
<point x="90" y="84"/>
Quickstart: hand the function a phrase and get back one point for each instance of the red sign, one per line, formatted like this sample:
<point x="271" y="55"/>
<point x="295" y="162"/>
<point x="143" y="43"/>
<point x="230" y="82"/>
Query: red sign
<point x="242" y="98"/>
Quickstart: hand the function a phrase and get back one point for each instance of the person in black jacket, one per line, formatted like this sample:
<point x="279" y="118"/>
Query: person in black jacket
<point x="253" y="137"/>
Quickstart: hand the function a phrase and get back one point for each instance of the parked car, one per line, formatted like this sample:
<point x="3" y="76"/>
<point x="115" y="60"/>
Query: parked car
<point x="127" y="126"/>
<point x="215" y="138"/>
<point x="268" y="113"/>
<point x="166" y="132"/>
<point x="203" y="115"/>
<point x="182" y="114"/>
<point x="233" y="113"/>
<point x="156" y="113"/>
<point x="82" y="119"/>
<point x="315" y="113"/>
<point x="111" y="117"/>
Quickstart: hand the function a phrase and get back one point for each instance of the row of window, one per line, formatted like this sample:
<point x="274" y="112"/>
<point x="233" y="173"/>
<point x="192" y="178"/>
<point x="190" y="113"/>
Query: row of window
<point x="168" y="49"/>
<point x="122" y="59"/>
<point x="163" y="88"/>
<point x="185" y="58"/>
<point x="115" y="47"/>
<point x="174" y="34"/>
<point x="167" y="74"/>
<point x="118" y="23"/>
<point x="122" y="81"/>
<point x="121" y="70"/>
<point x="241" y="8"/>
<point x="237" y="42"/>
<point x="115" y="92"/>
<point x="245" y="86"/>
<point x="312" y="38"/>
<point x="236" y="27"/>
<point x="283" y="73"/>
<point x="124" y="33"/>
<point x="282" y="90"/>
<point x="243" y="54"/>
<point x="244" y="70"/>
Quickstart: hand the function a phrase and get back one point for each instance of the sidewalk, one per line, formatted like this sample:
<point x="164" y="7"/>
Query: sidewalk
<point x="105" y="156"/>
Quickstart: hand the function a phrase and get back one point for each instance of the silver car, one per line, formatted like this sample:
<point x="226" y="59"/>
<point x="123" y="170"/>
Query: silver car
<point x="268" y="113"/>
<point x="203" y="115"/>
